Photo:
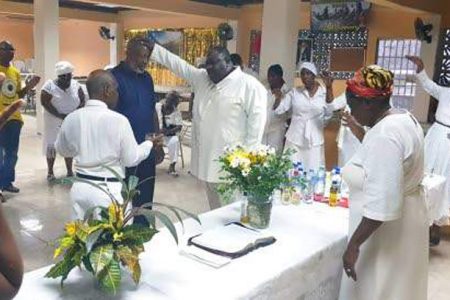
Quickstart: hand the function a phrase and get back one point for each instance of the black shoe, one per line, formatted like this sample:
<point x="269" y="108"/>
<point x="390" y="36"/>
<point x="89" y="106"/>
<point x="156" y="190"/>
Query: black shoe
<point x="2" y="198"/>
<point x="11" y="189"/>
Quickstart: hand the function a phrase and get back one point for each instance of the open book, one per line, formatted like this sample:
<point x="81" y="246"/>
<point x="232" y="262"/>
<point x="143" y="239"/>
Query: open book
<point x="232" y="240"/>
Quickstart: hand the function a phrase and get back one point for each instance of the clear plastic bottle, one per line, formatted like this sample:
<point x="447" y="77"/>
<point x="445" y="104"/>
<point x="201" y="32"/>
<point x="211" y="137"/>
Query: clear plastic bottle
<point x="308" y="194"/>
<point x="319" y="188"/>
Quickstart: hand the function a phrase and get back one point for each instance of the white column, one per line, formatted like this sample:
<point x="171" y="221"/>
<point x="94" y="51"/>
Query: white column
<point x="280" y="26"/>
<point x="232" y="44"/>
<point x="428" y="53"/>
<point x="46" y="46"/>
<point x="113" y="50"/>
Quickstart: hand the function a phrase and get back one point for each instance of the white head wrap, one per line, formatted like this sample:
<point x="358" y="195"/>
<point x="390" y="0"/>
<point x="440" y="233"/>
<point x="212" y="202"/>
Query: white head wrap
<point x="64" y="67"/>
<point x="309" y="66"/>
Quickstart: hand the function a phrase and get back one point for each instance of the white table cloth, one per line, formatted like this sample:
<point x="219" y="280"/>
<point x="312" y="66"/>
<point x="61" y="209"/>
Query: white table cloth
<point x="304" y="263"/>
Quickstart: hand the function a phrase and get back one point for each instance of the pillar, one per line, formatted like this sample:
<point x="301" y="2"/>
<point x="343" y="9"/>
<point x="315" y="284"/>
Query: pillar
<point x="280" y="26"/>
<point x="46" y="46"/>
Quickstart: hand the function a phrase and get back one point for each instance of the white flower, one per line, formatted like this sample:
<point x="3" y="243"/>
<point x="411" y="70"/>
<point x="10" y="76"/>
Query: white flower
<point x="245" y="172"/>
<point x="235" y="162"/>
<point x="245" y="163"/>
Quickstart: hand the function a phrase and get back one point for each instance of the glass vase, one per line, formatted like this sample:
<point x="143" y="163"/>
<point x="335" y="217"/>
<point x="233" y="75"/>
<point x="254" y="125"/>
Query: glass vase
<point x="259" y="211"/>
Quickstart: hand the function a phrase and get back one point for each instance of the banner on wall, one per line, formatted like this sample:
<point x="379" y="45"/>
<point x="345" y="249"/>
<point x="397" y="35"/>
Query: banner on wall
<point x="338" y="15"/>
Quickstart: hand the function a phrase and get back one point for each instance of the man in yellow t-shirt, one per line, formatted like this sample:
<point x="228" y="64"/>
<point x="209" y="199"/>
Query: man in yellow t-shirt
<point x="11" y="90"/>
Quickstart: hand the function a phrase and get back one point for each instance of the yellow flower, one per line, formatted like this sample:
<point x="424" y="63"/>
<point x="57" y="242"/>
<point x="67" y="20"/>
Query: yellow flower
<point x="57" y="252"/>
<point x="117" y="236"/>
<point x="71" y="228"/>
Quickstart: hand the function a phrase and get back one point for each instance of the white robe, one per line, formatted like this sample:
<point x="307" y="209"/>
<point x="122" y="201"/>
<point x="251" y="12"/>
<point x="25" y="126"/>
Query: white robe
<point x="276" y="125"/>
<point x="305" y="134"/>
<point x="437" y="141"/>
<point x="232" y="111"/>
<point x="384" y="177"/>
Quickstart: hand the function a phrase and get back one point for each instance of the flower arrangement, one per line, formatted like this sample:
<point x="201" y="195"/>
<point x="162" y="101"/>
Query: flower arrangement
<point x="256" y="171"/>
<point x="106" y="238"/>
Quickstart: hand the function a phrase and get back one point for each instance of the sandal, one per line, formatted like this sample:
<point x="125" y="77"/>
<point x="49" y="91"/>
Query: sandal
<point x="173" y="173"/>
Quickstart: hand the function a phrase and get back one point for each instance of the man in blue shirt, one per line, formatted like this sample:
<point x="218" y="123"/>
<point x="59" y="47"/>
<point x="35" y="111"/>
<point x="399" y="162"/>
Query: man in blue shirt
<point x="137" y="103"/>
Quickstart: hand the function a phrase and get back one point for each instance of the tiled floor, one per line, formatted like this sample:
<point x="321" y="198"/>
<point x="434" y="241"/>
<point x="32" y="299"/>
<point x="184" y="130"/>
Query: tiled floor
<point x="38" y="213"/>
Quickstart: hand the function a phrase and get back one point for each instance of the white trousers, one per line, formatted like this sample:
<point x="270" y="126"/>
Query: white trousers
<point x="312" y="157"/>
<point x="85" y="196"/>
<point x="173" y="145"/>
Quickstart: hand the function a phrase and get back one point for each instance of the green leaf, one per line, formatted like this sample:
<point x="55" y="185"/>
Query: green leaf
<point x="62" y="268"/>
<point x="138" y="234"/>
<point x="100" y="257"/>
<point x="89" y="214"/>
<point x="131" y="261"/>
<point x="137" y="249"/>
<point x="92" y="239"/>
<point x="98" y="186"/>
<point x="174" y="209"/>
<point x="110" y="277"/>
<point x="133" y="182"/>
<point x="87" y="264"/>
<point x="136" y="273"/>
<point x="151" y="214"/>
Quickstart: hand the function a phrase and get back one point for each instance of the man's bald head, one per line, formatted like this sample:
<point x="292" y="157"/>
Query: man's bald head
<point x="102" y="85"/>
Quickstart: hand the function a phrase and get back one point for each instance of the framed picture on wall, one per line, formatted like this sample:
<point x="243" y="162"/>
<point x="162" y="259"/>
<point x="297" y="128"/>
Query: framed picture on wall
<point x="304" y="51"/>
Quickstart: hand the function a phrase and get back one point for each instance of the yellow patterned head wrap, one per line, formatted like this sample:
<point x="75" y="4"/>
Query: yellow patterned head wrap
<point x="372" y="82"/>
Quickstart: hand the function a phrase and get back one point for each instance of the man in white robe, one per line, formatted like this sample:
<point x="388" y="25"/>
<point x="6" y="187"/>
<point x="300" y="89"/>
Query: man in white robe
<point x="229" y="108"/>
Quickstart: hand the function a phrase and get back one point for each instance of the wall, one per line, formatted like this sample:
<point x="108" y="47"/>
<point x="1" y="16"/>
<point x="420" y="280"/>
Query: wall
<point x="20" y="34"/>
<point x="79" y="42"/>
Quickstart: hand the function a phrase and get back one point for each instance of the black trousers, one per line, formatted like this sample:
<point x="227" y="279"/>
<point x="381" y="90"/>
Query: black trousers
<point x="144" y="170"/>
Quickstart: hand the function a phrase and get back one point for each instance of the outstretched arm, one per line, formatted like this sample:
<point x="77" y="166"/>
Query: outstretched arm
<point x="428" y="85"/>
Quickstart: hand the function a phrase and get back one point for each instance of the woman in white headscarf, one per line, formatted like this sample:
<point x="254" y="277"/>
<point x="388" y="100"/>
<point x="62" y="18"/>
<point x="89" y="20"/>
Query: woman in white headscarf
<point x="59" y="97"/>
<point x="310" y="107"/>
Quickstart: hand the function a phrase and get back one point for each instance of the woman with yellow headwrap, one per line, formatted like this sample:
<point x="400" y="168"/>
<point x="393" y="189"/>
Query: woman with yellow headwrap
<point x="387" y="253"/>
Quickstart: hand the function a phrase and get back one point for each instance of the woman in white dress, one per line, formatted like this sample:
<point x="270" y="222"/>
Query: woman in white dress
<point x="437" y="141"/>
<point x="275" y="125"/>
<point x="59" y="98"/>
<point x="387" y="253"/>
<point x="310" y="108"/>
<point x="171" y="123"/>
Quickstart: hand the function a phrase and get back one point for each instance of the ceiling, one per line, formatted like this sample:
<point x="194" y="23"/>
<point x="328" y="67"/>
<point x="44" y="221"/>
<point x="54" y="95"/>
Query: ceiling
<point x="83" y="6"/>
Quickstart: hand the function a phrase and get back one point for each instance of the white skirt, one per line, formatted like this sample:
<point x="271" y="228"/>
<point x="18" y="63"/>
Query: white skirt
<point x="52" y="125"/>
<point x="312" y="157"/>
<point x="437" y="156"/>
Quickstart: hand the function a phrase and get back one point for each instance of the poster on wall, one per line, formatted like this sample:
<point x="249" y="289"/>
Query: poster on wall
<point x="338" y="15"/>
<point x="304" y="51"/>
<point x="169" y="39"/>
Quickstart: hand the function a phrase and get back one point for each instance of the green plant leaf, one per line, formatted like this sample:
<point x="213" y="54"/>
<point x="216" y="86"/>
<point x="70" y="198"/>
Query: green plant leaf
<point x="173" y="209"/>
<point x="89" y="214"/>
<point x="100" y="257"/>
<point x="137" y="249"/>
<point x="92" y="239"/>
<point x="87" y="264"/>
<point x="133" y="182"/>
<point x="138" y="234"/>
<point x="110" y="277"/>
<point x="151" y="214"/>
<point x="61" y="268"/>
<point x="136" y="273"/>
<point x="98" y="186"/>
<point x="131" y="261"/>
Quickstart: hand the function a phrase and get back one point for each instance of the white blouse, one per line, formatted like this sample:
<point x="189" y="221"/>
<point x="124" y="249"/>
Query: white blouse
<point x="66" y="101"/>
<point x="440" y="93"/>
<point x="308" y="116"/>
<point x="392" y="158"/>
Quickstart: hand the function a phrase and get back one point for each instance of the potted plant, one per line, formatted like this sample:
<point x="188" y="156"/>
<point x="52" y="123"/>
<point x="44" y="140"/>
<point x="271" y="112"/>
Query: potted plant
<point x="256" y="172"/>
<point x="106" y="239"/>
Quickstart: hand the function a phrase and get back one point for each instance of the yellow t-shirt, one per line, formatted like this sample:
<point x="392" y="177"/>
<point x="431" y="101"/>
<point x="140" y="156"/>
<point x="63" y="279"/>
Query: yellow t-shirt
<point x="11" y="86"/>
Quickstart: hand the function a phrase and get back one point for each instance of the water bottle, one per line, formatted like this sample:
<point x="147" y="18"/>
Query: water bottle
<point x="319" y="187"/>
<point x="297" y="193"/>
<point x="308" y="194"/>
<point x="334" y="194"/>
<point x="336" y="176"/>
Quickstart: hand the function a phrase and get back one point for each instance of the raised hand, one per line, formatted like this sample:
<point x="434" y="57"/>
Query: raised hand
<point x="417" y="61"/>
<point x="327" y="79"/>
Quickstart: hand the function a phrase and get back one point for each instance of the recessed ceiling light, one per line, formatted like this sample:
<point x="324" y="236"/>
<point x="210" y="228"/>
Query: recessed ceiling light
<point x="107" y="5"/>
